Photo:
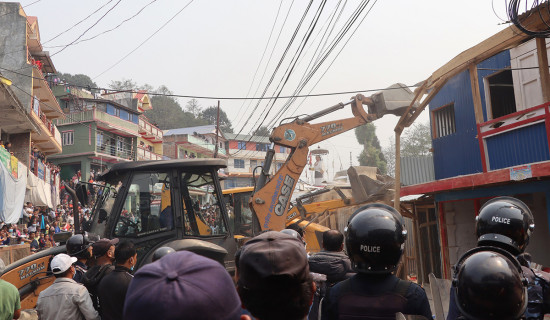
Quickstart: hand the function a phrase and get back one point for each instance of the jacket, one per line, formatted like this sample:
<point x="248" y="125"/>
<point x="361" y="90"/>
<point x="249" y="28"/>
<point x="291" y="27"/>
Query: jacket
<point x="112" y="292"/>
<point x="65" y="299"/>
<point x="335" y="265"/>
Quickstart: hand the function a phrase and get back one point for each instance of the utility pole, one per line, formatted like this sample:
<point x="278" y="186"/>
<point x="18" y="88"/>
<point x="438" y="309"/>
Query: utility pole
<point x="217" y="130"/>
<point x="350" y="162"/>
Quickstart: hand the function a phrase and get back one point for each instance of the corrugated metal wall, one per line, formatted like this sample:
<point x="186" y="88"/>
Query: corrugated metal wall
<point x="416" y="170"/>
<point x="524" y="145"/>
<point x="458" y="153"/>
<point x="499" y="61"/>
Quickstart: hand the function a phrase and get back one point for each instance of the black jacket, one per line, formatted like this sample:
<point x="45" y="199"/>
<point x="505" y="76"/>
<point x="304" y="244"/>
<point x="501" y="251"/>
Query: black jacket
<point x="335" y="265"/>
<point x="112" y="292"/>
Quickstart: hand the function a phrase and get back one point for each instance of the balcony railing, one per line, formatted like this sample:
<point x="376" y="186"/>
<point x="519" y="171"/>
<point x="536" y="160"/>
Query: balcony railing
<point x="96" y="115"/>
<point x="143" y="154"/>
<point x="204" y="144"/>
<point x="112" y="150"/>
<point x="149" y="130"/>
<point x="41" y="170"/>
<point x="52" y="128"/>
<point x="515" y="139"/>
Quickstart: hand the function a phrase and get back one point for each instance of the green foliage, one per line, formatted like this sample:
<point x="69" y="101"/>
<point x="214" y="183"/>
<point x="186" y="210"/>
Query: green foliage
<point x="371" y="155"/>
<point x="77" y="79"/>
<point x="210" y="115"/>
<point x="193" y="107"/>
<point x="262" y="131"/>
<point x="124" y="84"/>
<point x="168" y="114"/>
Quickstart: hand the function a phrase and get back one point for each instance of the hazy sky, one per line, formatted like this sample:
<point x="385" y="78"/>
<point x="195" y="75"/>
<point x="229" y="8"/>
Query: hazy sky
<point x="213" y="48"/>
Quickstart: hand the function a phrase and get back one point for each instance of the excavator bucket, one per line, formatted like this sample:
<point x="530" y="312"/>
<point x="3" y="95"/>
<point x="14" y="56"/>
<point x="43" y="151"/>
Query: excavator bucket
<point x="393" y="100"/>
<point x="366" y="185"/>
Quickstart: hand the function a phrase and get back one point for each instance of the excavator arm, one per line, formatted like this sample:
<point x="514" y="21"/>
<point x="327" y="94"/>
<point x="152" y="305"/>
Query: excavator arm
<point x="271" y="197"/>
<point x="270" y="201"/>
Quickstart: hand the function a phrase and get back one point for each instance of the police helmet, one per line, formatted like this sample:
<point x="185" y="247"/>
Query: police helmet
<point x="505" y="222"/>
<point x="375" y="238"/>
<point x="489" y="284"/>
<point x="77" y="246"/>
<point x="161" y="252"/>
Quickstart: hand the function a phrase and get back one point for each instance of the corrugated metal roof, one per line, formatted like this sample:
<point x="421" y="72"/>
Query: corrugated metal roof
<point x="416" y="170"/>
<point x="200" y="130"/>
<point x="246" y="137"/>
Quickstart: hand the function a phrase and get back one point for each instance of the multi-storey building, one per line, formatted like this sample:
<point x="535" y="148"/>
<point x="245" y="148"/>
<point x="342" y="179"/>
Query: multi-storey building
<point x="489" y="111"/>
<point x="149" y="142"/>
<point x="247" y="153"/>
<point x="96" y="132"/>
<point x="194" y="142"/>
<point x="28" y="107"/>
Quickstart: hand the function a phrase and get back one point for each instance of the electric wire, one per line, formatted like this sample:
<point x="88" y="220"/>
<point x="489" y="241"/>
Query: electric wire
<point x="88" y="29"/>
<point x="144" y="41"/>
<point x="109" y="30"/>
<point x="513" y="12"/>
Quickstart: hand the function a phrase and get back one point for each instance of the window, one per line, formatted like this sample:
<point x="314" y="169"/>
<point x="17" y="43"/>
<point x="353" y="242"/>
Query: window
<point x="120" y="144"/>
<point x="148" y="206"/>
<point x="111" y="110"/>
<point x="253" y="164"/>
<point x="282" y="149"/>
<point x="124" y="115"/>
<point x="238" y="163"/>
<point x="500" y="93"/>
<point x="203" y="215"/>
<point x="444" y="121"/>
<point x="241" y="145"/>
<point x="262" y="147"/>
<point x="99" y="139"/>
<point x="68" y="138"/>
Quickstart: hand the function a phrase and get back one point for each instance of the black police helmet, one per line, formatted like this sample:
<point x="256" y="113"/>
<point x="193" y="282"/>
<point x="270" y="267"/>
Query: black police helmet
<point x="375" y="238"/>
<point x="505" y="222"/>
<point x="77" y="246"/>
<point x="489" y="284"/>
<point x="161" y="252"/>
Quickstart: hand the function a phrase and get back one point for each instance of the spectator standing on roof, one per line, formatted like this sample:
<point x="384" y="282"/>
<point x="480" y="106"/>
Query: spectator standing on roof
<point x="10" y="305"/>
<point x="113" y="287"/>
<point x="65" y="299"/>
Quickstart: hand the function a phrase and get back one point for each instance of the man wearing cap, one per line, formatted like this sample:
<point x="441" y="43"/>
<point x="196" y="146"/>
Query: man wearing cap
<point x="103" y="252"/>
<point x="273" y="277"/>
<point x="182" y="285"/>
<point x="113" y="287"/>
<point x="65" y="299"/>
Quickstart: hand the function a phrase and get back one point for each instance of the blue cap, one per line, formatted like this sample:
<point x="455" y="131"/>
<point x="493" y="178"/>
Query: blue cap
<point x="180" y="285"/>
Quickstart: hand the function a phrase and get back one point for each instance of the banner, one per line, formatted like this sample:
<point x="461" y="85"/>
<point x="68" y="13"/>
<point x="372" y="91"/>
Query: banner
<point x="14" y="167"/>
<point x="48" y="176"/>
<point x="40" y="170"/>
<point x="5" y="157"/>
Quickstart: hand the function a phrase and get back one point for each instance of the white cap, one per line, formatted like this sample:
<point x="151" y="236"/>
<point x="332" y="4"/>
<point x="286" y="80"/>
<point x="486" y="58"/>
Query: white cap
<point x="61" y="263"/>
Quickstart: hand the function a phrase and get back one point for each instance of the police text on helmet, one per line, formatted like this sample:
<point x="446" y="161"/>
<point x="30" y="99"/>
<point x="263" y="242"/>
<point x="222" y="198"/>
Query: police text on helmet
<point x="374" y="249"/>
<point x="500" y="220"/>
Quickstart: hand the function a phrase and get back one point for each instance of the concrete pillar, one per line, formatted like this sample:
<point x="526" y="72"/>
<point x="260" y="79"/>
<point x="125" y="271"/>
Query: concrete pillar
<point x="21" y="146"/>
<point x="85" y="169"/>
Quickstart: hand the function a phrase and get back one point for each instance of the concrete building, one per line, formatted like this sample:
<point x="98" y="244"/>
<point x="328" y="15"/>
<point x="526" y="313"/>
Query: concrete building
<point x="149" y="142"/>
<point x="247" y="152"/>
<point x="194" y="142"/>
<point x="28" y="110"/>
<point x="96" y="132"/>
<point x="489" y="111"/>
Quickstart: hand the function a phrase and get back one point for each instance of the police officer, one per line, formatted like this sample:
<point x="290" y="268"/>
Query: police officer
<point x="375" y="238"/>
<point x="507" y="223"/>
<point x="80" y="247"/>
<point x="489" y="284"/>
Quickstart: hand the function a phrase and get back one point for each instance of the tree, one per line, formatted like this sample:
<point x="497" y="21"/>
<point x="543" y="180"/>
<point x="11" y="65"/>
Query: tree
<point x="262" y="131"/>
<point x="415" y="142"/>
<point x="372" y="152"/>
<point x="210" y="115"/>
<point x="124" y="84"/>
<point x="77" y="80"/>
<point x="193" y="107"/>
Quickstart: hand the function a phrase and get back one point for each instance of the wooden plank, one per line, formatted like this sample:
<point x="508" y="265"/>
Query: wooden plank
<point x="542" y="56"/>
<point x="476" y="95"/>
<point x="436" y="297"/>
<point x="396" y="201"/>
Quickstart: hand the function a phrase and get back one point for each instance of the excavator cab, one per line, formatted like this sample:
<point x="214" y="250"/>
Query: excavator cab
<point x="162" y="203"/>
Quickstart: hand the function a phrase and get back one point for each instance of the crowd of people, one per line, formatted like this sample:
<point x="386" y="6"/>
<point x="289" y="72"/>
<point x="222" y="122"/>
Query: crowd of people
<point x="275" y="278"/>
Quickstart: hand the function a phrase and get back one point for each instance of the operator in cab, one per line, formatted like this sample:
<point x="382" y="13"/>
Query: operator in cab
<point x="375" y="238"/>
